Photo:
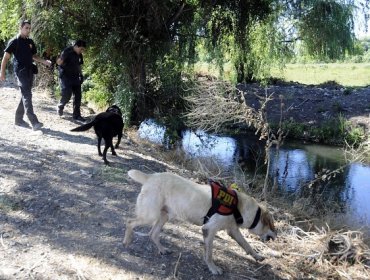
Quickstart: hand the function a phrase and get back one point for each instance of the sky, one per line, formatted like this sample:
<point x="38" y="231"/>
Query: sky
<point x="360" y="20"/>
<point x="360" y="29"/>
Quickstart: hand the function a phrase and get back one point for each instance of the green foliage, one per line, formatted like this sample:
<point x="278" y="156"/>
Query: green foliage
<point x="331" y="131"/>
<point x="140" y="52"/>
<point x="353" y="135"/>
<point x="265" y="51"/>
<point x="124" y="99"/>
<point x="99" y="86"/>
<point x="10" y="14"/>
<point x="243" y="33"/>
<point x="327" y="29"/>
<point x="347" y="91"/>
<point x="50" y="32"/>
<point x="337" y="107"/>
<point x="336" y="131"/>
<point x="98" y="95"/>
<point x="9" y="203"/>
<point x="295" y="130"/>
<point x="366" y="56"/>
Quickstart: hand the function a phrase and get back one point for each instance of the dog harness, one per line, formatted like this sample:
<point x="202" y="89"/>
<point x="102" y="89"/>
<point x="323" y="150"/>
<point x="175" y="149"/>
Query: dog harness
<point x="224" y="202"/>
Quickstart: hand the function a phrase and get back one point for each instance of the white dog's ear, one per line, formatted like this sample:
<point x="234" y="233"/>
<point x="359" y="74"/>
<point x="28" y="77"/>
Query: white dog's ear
<point x="268" y="220"/>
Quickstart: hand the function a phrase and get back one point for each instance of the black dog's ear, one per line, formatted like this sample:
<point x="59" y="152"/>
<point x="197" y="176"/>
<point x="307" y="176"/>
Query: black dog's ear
<point x="114" y="109"/>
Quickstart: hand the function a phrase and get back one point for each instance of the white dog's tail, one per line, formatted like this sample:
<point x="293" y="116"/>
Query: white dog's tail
<point x="138" y="176"/>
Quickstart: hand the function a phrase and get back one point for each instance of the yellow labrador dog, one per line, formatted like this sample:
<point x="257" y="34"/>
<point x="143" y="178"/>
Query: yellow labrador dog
<point x="166" y="196"/>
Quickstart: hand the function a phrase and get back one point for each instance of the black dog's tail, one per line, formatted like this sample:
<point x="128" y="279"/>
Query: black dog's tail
<point x="84" y="127"/>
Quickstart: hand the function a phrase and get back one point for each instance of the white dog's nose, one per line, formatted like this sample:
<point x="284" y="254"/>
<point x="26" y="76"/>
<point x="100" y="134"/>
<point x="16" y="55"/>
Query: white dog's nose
<point x="269" y="236"/>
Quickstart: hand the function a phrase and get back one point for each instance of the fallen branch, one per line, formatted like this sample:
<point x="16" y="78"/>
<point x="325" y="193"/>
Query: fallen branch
<point x="177" y="264"/>
<point x="2" y="242"/>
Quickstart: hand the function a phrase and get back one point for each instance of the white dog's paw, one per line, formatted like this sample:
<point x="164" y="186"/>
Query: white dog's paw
<point x="125" y="243"/>
<point x="258" y="257"/>
<point x="164" y="251"/>
<point x="127" y="240"/>
<point x="216" y="270"/>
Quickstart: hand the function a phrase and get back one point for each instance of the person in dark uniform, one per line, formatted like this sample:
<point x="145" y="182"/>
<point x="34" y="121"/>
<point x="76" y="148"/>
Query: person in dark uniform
<point x="24" y="51"/>
<point x="71" y="78"/>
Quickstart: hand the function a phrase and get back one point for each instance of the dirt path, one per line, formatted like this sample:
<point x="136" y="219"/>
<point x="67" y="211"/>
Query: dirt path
<point x="62" y="211"/>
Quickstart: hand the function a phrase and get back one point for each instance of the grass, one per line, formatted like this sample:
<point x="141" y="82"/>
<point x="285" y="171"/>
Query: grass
<point x="346" y="74"/>
<point x="8" y="203"/>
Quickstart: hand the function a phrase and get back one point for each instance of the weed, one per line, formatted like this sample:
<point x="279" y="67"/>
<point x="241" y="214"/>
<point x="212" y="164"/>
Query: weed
<point x="295" y="130"/>
<point x="337" y="107"/>
<point x="354" y="135"/>
<point x="347" y="91"/>
<point x="321" y="109"/>
<point x="8" y="203"/>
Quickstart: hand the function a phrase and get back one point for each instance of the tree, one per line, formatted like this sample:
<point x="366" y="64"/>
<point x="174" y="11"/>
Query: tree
<point x="327" y="29"/>
<point x="141" y="50"/>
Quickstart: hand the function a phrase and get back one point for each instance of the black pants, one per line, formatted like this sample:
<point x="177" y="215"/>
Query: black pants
<point x="68" y="88"/>
<point x="25" y="82"/>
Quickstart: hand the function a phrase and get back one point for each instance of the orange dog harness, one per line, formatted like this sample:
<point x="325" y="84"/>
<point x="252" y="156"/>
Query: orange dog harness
<point x="224" y="202"/>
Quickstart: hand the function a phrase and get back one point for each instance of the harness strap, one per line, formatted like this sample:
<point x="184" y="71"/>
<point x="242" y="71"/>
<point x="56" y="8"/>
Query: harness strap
<point x="214" y="206"/>
<point x="238" y="217"/>
<point x="210" y="212"/>
<point x="256" y="218"/>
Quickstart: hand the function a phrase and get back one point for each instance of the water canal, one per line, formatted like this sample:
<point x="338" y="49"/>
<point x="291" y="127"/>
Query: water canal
<point x="296" y="165"/>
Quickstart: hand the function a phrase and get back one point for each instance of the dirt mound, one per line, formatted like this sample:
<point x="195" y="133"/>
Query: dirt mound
<point x="313" y="105"/>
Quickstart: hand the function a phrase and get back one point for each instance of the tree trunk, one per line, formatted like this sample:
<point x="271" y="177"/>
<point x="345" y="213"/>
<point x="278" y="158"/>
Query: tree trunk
<point x="240" y="72"/>
<point x="138" y="86"/>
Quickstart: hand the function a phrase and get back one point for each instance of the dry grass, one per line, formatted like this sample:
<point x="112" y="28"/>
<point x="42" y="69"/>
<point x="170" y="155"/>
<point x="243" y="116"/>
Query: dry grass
<point x="321" y="253"/>
<point x="360" y="153"/>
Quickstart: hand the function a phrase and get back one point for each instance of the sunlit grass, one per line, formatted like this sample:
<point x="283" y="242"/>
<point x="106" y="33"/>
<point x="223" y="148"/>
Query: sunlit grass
<point x="205" y="68"/>
<point x="346" y="74"/>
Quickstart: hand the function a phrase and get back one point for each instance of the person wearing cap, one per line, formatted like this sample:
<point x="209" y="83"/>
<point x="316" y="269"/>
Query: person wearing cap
<point x="70" y="74"/>
<point x="24" y="53"/>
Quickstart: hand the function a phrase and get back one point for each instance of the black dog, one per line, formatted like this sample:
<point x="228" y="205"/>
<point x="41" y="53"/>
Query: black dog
<point x="106" y="125"/>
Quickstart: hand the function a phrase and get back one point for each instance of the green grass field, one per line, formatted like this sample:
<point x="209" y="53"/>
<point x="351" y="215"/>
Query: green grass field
<point x="346" y="74"/>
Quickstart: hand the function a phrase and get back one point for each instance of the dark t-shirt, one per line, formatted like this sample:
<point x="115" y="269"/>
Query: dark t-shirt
<point x="23" y="50"/>
<point x="71" y="67"/>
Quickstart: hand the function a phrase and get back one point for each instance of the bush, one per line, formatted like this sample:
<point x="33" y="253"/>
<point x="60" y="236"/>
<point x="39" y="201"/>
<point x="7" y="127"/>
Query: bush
<point x="123" y="97"/>
<point x="366" y="57"/>
<point x="354" y="135"/>
<point x="98" y="95"/>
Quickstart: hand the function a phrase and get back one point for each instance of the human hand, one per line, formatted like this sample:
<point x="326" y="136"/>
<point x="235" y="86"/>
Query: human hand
<point x="2" y="77"/>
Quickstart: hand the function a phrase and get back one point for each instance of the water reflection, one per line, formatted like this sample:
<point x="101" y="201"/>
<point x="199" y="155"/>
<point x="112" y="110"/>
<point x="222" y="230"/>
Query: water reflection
<point x="296" y="164"/>
<point x="294" y="167"/>
<point x="200" y="144"/>
<point x="358" y="181"/>
<point x="151" y="131"/>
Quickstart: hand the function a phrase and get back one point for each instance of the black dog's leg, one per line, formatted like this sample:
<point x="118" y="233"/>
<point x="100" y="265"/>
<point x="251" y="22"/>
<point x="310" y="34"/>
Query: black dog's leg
<point x="105" y="154"/>
<point x="119" y="139"/>
<point x="99" y="142"/>
<point x="112" y="149"/>
<point x="108" y="144"/>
